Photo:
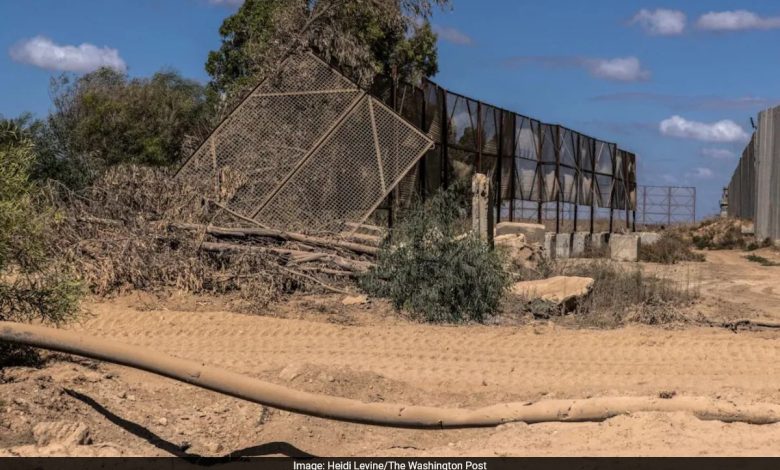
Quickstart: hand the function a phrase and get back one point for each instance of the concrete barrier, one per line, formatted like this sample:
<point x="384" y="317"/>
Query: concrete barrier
<point x="549" y="245"/>
<point x="563" y="245"/>
<point x="624" y="247"/>
<point x="580" y="243"/>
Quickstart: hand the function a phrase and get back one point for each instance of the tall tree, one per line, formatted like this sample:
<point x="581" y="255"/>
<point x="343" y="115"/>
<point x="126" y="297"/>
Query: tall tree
<point x="362" y="37"/>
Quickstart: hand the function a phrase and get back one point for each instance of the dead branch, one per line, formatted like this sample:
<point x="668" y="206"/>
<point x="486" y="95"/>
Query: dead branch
<point x="296" y="256"/>
<point x="316" y="281"/>
<point x="225" y="232"/>
<point x="382" y="414"/>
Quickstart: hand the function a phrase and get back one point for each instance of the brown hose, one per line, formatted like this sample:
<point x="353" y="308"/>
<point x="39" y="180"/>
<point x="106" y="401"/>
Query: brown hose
<point x="383" y="414"/>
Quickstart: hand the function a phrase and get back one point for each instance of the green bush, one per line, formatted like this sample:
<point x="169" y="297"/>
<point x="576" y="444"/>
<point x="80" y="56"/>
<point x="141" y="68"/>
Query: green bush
<point x="31" y="285"/>
<point x="429" y="270"/>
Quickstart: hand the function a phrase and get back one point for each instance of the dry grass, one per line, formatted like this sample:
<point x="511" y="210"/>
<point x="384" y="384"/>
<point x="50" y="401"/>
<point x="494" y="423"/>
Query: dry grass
<point x="621" y="294"/>
<point x="671" y="248"/>
<point x="116" y="236"/>
<point x="627" y="294"/>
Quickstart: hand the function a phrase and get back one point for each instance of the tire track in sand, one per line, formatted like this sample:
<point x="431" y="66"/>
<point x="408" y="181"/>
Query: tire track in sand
<point x="515" y="360"/>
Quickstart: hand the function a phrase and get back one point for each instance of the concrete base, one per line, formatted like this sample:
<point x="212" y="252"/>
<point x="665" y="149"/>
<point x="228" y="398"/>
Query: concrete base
<point x="534" y="233"/>
<point x="599" y="240"/>
<point x="648" y="238"/>
<point x="563" y="245"/>
<point x="549" y="245"/>
<point x="580" y="242"/>
<point x="624" y="247"/>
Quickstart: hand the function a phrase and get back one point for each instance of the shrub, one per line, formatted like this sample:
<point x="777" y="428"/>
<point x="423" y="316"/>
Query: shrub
<point x="761" y="260"/>
<point x="669" y="249"/>
<point x="31" y="286"/>
<point x="621" y="294"/>
<point x="433" y="273"/>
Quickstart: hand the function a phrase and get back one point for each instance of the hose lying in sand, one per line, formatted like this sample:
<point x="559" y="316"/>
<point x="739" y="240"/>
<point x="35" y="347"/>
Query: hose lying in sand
<point x="383" y="414"/>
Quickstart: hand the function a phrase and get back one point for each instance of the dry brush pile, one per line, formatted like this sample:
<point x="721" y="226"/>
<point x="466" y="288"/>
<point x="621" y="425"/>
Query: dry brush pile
<point x="137" y="228"/>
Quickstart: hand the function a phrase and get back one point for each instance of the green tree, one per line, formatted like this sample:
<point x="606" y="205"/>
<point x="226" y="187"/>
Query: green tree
<point x="105" y="118"/>
<point x="362" y="37"/>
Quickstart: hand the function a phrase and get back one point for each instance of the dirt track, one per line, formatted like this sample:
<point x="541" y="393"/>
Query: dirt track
<point x="382" y="358"/>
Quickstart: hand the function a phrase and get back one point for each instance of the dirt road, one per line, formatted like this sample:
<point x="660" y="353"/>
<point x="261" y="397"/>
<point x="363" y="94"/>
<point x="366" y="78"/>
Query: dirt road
<point x="381" y="358"/>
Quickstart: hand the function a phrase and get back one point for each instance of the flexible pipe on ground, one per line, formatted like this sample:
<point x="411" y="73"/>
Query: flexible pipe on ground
<point x="382" y="414"/>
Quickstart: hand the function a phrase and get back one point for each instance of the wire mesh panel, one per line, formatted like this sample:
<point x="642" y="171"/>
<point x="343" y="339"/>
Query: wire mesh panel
<point x="666" y="205"/>
<point x="347" y="177"/>
<point x="269" y="133"/>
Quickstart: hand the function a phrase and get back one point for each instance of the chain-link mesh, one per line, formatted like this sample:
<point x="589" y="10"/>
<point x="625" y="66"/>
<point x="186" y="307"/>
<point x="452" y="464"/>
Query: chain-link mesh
<point x="269" y="133"/>
<point x="307" y="150"/>
<point x="349" y="174"/>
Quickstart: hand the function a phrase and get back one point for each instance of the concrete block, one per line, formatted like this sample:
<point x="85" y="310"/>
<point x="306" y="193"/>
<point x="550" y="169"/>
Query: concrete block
<point x="599" y="240"/>
<point x="534" y="233"/>
<point x="580" y="242"/>
<point x="563" y="246"/>
<point x="624" y="247"/>
<point x="648" y="238"/>
<point x="549" y="245"/>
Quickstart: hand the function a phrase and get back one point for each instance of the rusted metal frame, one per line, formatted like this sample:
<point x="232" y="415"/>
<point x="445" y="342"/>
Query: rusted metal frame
<point x="626" y="194"/>
<point x="593" y="185"/>
<point x="323" y="138"/>
<point x="539" y="167"/>
<point x="500" y="162"/>
<point x="445" y="137"/>
<point x="557" y="149"/>
<point x="378" y="151"/>
<point x="479" y="136"/>
<point x="613" y="156"/>
<point x="513" y="168"/>
<point x="577" y="180"/>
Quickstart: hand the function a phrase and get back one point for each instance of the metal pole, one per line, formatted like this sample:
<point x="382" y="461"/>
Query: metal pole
<point x="694" y="204"/>
<point x="669" y="209"/>
<point x="556" y="146"/>
<point x="644" y="206"/>
<point x="513" y="171"/>
<point x="539" y="168"/>
<point x="479" y="136"/>
<point x="445" y="160"/>
<point x="499" y="164"/>
<point x="592" y="186"/>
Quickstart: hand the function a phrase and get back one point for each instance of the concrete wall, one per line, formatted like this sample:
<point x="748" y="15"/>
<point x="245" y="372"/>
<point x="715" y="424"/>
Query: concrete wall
<point x="754" y="190"/>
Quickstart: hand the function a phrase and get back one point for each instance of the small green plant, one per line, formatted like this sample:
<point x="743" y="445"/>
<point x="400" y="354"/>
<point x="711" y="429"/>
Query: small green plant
<point x="32" y="287"/>
<point x="761" y="260"/>
<point x="669" y="249"/>
<point x="429" y="270"/>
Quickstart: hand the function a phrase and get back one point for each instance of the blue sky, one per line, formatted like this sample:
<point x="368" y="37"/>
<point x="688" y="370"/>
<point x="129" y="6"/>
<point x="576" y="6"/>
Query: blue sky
<point x="675" y="84"/>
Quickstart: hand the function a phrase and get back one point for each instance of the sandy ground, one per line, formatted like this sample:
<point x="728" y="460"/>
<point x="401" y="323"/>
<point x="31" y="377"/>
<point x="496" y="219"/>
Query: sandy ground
<point x="367" y="353"/>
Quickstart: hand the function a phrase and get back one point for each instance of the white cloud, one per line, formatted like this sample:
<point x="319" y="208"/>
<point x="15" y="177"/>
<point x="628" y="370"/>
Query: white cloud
<point x="721" y="131"/>
<point x="453" y="35"/>
<point x="718" y="154"/>
<point x="43" y="52"/>
<point x="701" y="173"/>
<point x="622" y="69"/>
<point x="661" y="22"/>
<point x="736" y="20"/>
